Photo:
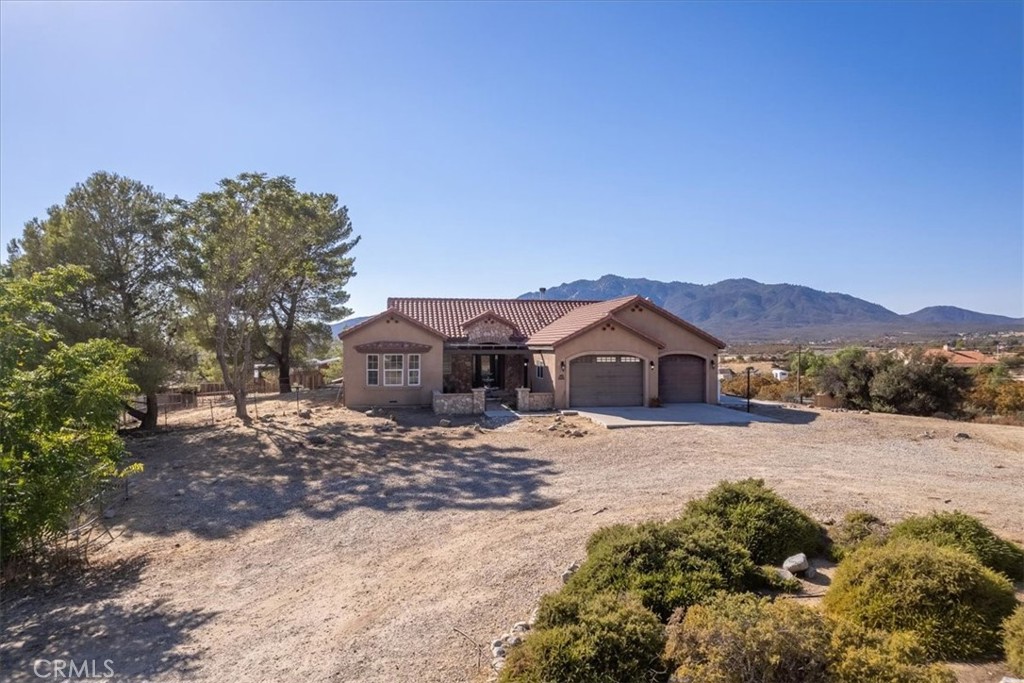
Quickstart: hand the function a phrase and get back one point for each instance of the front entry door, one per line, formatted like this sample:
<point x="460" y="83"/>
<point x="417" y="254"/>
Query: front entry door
<point x="489" y="371"/>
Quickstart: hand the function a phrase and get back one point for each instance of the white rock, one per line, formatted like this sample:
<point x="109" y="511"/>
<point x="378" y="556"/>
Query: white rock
<point x="784" y="574"/>
<point x="796" y="563"/>
<point x="515" y="640"/>
<point x="566" y="575"/>
<point x="497" y="652"/>
<point x="533" y="616"/>
<point x="445" y="423"/>
<point x="520" y="627"/>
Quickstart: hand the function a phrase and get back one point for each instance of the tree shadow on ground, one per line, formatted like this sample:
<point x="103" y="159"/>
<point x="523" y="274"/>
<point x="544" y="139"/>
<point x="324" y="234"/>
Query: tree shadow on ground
<point x="216" y="483"/>
<point x="81" y="618"/>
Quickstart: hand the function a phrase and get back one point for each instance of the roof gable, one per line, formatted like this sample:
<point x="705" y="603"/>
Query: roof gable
<point x="392" y="313"/>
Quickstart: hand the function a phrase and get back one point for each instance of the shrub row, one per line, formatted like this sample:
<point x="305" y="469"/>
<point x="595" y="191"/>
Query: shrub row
<point x="896" y="603"/>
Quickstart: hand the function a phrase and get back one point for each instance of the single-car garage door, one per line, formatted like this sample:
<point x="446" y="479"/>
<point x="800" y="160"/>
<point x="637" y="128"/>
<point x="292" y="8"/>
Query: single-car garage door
<point x="681" y="379"/>
<point x="606" y="381"/>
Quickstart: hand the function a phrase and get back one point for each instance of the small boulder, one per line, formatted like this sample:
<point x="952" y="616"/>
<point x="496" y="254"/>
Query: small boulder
<point x="316" y="439"/>
<point x="496" y="643"/>
<point x="305" y="414"/>
<point x="566" y="575"/>
<point x="369" y="413"/>
<point x="498" y="652"/>
<point x="796" y="563"/>
<point x="961" y="435"/>
<point x="784" y="574"/>
<point x="553" y="428"/>
<point x="515" y="640"/>
<point x="445" y="423"/>
<point x="865" y="412"/>
<point x="520" y="627"/>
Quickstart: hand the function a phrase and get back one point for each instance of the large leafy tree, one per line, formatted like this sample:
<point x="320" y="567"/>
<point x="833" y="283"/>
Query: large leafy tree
<point x="119" y="231"/>
<point x="59" y="406"/>
<point x="313" y="246"/>
<point x="263" y="265"/>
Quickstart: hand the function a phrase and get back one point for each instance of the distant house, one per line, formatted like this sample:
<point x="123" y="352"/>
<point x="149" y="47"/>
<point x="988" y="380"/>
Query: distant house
<point x="725" y="374"/>
<point x="962" y="359"/>
<point x="780" y="374"/>
<point x="563" y="353"/>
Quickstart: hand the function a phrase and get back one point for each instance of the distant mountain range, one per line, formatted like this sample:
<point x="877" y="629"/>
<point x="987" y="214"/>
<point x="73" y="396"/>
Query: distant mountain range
<point x="746" y="310"/>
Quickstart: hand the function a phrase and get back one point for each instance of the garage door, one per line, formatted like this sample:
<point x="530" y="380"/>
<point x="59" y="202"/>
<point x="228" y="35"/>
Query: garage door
<point x="606" y="381"/>
<point x="681" y="379"/>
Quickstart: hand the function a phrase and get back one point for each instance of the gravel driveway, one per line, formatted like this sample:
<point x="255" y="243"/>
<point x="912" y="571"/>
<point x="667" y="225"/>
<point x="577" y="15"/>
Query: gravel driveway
<point x="326" y="549"/>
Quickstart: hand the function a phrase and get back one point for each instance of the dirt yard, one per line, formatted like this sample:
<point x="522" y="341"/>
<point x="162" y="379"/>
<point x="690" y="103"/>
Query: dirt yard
<point x="343" y="547"/>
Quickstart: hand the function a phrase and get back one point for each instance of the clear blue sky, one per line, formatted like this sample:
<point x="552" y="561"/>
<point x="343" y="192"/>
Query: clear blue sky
<point x="489" y="149"/>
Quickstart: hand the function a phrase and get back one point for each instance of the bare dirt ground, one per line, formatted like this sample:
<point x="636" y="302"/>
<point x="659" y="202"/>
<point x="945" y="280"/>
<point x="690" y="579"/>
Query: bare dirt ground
<point x="328" y="549"/>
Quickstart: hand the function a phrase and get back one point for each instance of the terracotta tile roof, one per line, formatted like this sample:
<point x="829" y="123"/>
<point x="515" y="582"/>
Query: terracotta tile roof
<point x="963" y="358"/>
<point x="576" y="320"/>
<point x="447" y="316"/>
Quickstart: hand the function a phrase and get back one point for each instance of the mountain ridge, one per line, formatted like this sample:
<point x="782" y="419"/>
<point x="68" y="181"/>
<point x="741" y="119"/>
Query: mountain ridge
<point x="742" y="309"/>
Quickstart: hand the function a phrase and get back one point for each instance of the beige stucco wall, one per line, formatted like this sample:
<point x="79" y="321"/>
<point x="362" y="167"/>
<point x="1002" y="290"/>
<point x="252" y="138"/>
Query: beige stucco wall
<point x="605" y="342"/>
<point x="677" y="340"/>
<point x="546" y="383"/>
<point x="391" y="328"/>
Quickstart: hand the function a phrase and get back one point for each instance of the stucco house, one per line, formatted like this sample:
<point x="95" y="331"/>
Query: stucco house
<point x="452" y="354"/>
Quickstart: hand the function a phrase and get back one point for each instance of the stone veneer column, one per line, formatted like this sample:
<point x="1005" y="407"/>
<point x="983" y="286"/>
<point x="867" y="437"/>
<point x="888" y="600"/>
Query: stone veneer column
<point x="479" y="400"/>
<point x="523" y="399"/>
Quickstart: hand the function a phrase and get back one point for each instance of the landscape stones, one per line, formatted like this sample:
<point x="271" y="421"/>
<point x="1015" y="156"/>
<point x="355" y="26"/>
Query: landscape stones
<point x="784" y="574"/>
<point x="796" y="563"/>
<point x="445" y="423"/>
<point x="520" y="627"/>
<point x="305" y="414"/>
<point x="961" y="435"/>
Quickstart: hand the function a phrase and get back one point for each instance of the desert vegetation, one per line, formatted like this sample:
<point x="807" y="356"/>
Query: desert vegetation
<point x="695" y="599"/>
<point x="907" y="383"/>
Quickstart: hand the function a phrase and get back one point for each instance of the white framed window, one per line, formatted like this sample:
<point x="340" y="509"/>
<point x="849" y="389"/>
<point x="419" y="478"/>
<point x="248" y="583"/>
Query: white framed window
<point x="628" y="359"/>
<point x="393" y="369"/>
<point x="540" y="372"/>
<point x="607" y="359"/>
<point x="372" y="370"/>
<point x="414" y="369"/>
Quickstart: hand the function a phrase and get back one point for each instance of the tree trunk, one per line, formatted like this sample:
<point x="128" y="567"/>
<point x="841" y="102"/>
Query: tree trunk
<point x="284" y="363"/>
<point x="152" y="412"/>
<point x="231" y="383"/>
<point x="148" y="418"/>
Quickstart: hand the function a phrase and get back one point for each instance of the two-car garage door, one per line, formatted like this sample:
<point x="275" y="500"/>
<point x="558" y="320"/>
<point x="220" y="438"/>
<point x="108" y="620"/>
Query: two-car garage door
<point x="619" y="380"/>
<point x="606" y="381"/>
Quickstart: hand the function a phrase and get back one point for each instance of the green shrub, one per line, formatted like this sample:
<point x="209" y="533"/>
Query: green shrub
<point x="760" y="520"/>
<point x="665" y="565"/>
<point x="966" y="533"/>
<point x="947" y="598"/>
<point x="860" y="654"/>
<point x="613" y="638"/>
<point x="1013" y="641"/>
<point x="856" y="529"/>
<point x="741" y="638"/>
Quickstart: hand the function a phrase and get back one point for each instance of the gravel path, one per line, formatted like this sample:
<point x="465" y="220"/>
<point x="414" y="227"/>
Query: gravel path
<point x="328" y="550"/>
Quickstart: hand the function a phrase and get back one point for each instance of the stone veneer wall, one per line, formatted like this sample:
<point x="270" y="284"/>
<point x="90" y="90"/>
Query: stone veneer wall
<point x="460" y="381"/>
<point x="459" y="404"/>
<point x="526" y="400"/>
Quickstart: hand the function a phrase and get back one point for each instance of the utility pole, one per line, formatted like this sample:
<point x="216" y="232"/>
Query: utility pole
<point x="748" y="387"/>
<point x="799" y="368"/>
